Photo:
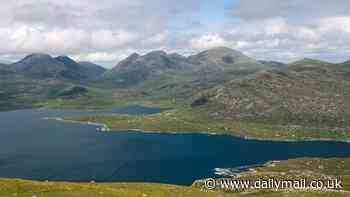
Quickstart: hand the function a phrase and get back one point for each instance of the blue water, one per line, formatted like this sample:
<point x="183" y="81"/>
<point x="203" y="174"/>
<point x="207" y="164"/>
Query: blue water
<point x="33" y="148"/>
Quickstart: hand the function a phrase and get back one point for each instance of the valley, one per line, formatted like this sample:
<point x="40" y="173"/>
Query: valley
<point x="216" y="91"/>
<point x="220" y="92"/>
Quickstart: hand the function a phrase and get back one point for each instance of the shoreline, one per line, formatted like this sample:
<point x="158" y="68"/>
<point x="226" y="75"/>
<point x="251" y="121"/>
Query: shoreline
<point x="100" y="126"/>
<point x="105" y="128"/>
<point x="250" y="168"/>
<point x="299" y="169"/>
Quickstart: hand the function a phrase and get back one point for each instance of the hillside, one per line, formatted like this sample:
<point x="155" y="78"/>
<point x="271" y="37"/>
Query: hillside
<point x="43" y="66"/>
<point x="345" y="66"/>
<point x="313" y="95"/>
<point x="274" y="64"/>
<point x="164" y="76"/>
<point x="5" y="70"/>
<point x="93" y="71"/>
<point x="155" y="65"/>
<point x="224" y="59"/>
<point x="221" y="60"/>
<point x="221" y="80"/>
<point x="307" y="100"/>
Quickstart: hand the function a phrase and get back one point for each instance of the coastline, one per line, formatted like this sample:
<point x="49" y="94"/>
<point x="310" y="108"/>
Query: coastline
<point x="293" y="169"/>
<point x="100" y="126"/>
<point x="104" y="128"/>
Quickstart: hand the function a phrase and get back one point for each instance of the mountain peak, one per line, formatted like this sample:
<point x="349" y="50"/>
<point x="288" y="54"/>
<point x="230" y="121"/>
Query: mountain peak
<point x="220" y="48"/>
<point x="63" y="57"/>
<point x="36" y="56"/>
<point x="156" y="53"/>
<point x="224" y="59"/>
<point x="222" y="51"/>
<point x="129" y="60"/>
<point x="66" y="60"/>
<point x="43" y="66"/>
<point x="134" y="55"/>
<point x="39" y="55"/>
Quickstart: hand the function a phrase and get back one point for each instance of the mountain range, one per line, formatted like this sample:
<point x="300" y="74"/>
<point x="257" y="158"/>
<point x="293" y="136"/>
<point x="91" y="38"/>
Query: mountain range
<point x="223" y="81"/>
<point x="219" y="63"/>
<point x="214" y="64"/>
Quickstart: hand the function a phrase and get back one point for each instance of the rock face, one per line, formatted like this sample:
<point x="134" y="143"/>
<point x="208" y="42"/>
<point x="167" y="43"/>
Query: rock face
<point x="318" y="97"/>
<point x="43" y="66"/>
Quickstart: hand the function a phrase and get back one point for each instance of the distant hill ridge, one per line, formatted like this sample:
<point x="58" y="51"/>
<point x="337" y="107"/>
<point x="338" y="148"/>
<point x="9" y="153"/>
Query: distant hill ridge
<point x="219" y="62"/>
<point x="216" y="64"/>
<point x="43" y="66"/>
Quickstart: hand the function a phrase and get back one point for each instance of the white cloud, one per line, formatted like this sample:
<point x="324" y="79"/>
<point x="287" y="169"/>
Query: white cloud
<point x="274" y="26"/>
<point x="108" y="30"/>
<point x="284" y="40"/>
<point x="107" y="39"/>
<point x="94" y="29"/>
<point x="208" y="41"/>
<point x="96" y="57"/>
<point x="332" y="24"/>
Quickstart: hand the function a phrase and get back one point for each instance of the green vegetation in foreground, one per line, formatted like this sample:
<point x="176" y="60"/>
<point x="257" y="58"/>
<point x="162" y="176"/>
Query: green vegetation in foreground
<point x="322" y="169"/>
<point x="198" y="120"/>
<point x="14" y="187"/>
<point x="309" y="169"/>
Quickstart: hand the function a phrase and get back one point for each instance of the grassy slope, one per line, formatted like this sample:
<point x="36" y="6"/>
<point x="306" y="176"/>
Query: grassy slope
<point x="344" y="66"/>
<point x="183" y="120"/>
<point x="290" y="169"/>
<point x="11" y="187"/>
<point x="295" y="169"/>
<point x="272" y="106"/>
<point x="95" y="99"/>
<point x="17" y="92"/>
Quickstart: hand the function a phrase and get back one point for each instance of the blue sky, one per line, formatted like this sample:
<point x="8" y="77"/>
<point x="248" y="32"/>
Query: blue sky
<point x="107" y="31"/>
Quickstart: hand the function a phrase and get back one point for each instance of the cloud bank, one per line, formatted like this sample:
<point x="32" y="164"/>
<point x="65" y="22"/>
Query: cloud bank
<point x="106" y="31"/>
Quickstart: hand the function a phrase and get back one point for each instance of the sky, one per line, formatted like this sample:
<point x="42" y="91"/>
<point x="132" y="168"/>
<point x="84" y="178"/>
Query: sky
<point x="106" y="31"/>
